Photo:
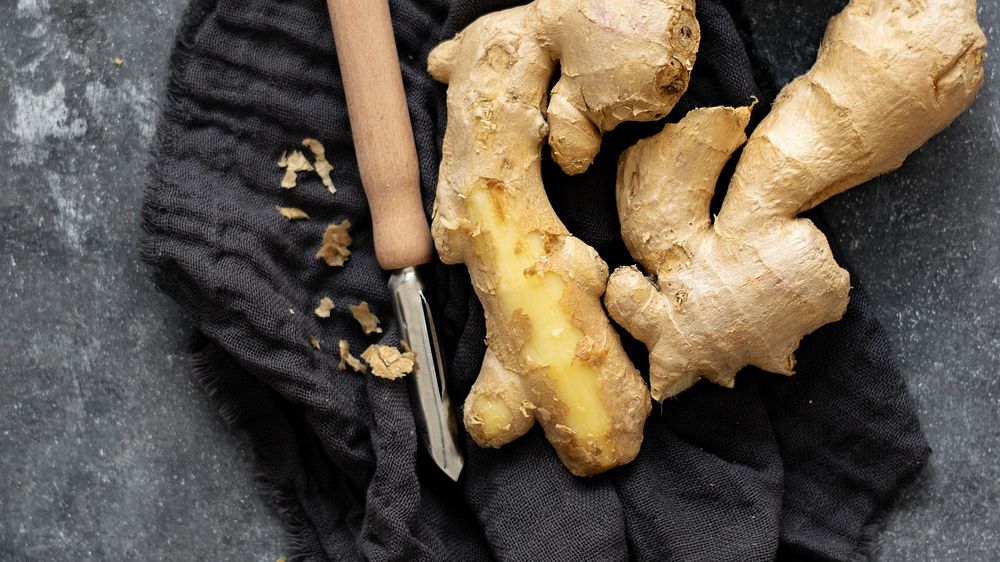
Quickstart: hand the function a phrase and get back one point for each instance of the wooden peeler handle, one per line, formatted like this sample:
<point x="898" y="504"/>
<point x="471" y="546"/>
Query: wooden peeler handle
<point x="383" y="135"/>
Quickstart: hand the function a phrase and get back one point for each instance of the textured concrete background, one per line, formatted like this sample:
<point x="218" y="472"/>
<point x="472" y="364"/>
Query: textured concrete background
<point x="108" y="449"/>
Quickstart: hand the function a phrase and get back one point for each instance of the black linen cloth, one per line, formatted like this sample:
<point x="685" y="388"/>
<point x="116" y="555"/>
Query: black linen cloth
<point x="794" y="468"/>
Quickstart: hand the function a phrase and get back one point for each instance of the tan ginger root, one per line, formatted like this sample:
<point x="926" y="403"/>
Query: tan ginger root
<point x="890" y="74"/>
<point x="552" y="354"/>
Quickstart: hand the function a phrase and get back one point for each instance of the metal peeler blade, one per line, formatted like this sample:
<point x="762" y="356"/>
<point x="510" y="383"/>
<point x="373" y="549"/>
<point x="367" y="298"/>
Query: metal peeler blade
<point x="429" y="393"/>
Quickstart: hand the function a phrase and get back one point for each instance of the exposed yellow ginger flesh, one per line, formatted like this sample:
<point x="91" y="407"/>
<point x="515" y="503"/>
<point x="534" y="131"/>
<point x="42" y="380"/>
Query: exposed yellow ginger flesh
<point x="525" y="294"/>
<point x="552" y="354"/>
<point x="745" y="290"/>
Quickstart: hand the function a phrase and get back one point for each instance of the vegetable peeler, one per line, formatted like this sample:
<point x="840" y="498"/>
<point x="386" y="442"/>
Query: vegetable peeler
<point x="387" y="161"/>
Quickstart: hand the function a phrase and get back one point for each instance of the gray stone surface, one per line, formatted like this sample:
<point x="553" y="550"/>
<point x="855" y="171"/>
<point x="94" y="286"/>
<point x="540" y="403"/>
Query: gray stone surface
<point x="108" y="449"/>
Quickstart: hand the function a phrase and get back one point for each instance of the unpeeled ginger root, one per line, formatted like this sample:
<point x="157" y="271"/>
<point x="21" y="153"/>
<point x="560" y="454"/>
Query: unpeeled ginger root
<point x="745" y="290"/>
<point x="552" y="354"/>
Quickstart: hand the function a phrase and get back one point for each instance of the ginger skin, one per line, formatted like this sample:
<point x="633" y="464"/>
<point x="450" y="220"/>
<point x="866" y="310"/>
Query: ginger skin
<point x="552" y="353"/>
<point x="745" y="290"/>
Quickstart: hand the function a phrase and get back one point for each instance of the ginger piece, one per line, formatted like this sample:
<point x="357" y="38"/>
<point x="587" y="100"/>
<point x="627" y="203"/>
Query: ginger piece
<point x="348" y="360"/>
<point x="324" y="308"/>
<point x="323" y="167"/>
<point x="550" y="342"/>
<point x="293" y="164"/>
<point x="388" y="362"/>
<point x="369" y="322"/>
<point x="313" y="342"/>
<point x="745" y="290"/>
<point x="292" y="213"/>
<point x="334" y="250"/>
<point x="498" y="405"/>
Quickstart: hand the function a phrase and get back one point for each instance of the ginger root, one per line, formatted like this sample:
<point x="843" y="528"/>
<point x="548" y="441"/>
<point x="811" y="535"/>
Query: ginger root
<point x="552" y="354"/>
<point x="745" y="290"/>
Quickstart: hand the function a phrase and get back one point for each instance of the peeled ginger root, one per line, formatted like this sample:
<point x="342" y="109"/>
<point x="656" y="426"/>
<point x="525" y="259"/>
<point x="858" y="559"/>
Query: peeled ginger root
<point x="552" y="354"/>
<point x="745" y="290"/>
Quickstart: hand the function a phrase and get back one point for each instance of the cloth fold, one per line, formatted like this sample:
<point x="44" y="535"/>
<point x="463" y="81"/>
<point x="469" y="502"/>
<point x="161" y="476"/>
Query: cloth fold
<point x="798" y="468"/>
